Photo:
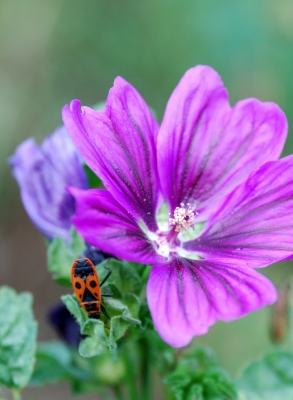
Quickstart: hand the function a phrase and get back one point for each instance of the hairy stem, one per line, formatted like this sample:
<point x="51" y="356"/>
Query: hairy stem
<point x="118" y="392"/>
<point x="130" y="376"/>
<point x="146" y="381"/>
<point x="16" y="394"/>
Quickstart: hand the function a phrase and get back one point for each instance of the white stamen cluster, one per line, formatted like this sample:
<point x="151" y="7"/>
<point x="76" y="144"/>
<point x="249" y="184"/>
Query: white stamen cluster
<point x="183" y="218"/>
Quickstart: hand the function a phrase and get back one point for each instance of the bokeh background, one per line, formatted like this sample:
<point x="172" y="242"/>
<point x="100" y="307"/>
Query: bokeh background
<point x="52" y="51"/>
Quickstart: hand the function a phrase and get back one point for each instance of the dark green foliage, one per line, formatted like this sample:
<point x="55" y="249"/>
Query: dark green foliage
<point x="93" y="180"/>
<point x="57" y="362"/>
<point x="198" y="376"/>
<point x="124" y="276"/>
<point x="54" y="363"/>
<point x="123" y="310"/>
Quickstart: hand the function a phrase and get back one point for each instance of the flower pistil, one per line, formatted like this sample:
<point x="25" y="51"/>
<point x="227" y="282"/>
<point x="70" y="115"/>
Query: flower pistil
<point x="183" y="218"/>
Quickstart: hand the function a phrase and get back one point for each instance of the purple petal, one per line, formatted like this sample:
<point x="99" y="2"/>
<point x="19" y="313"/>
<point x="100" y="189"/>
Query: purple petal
<point x="205" y="149"/>
<point x="43" y="174"/>
<point x="103" y="223"/>
<point x="254" y="224"/>
<point x="186" y="297"/>
<point x="119" y="146"/>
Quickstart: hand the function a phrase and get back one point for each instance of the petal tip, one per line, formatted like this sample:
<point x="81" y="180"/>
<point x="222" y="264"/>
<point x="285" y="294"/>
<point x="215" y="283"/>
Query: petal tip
<point x="176" y="342"/>
<point x="73" y="107"/>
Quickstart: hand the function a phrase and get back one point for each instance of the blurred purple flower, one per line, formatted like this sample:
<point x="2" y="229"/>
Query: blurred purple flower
<point x="215" y="169"/>
<point x="65" y="325"/>
<point x="94" y="254"/>
<point x="43" y="173"/>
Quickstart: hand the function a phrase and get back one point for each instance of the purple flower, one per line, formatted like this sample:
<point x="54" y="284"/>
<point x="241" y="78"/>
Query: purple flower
<point x="43" y="173"/>
<point x="65" y="325"/>
<point x="95" y="255"/>
<point x="216" y="172"/>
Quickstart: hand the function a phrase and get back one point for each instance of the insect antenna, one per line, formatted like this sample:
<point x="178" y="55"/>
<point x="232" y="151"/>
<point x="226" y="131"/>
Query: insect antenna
<point x="107" y="276"/>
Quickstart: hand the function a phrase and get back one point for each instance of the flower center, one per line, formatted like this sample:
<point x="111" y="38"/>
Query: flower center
<point x="183" y="218"/>
<point x="173" y="231"/>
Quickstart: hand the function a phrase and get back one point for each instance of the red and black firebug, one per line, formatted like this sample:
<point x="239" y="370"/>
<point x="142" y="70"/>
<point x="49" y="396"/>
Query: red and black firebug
<point x="87" y="288"/>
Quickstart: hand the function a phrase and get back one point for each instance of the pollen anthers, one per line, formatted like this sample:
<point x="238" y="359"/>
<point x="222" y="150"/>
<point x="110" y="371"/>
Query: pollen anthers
<point x="183" y="218"/>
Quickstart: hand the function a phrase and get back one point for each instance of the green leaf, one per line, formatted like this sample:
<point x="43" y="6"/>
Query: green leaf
<point x="97" y="342"/>
<point x="125" y="318"/>
<point x="133" y="304"/>
<point x="145" y="274"/>
<point x="54" y="363"/>
<point x="93" y="180"/>
<point x="270" y="378"/>
<point x="198" y="376"/>
<point x="74" y="308"/>
<point x="102" y="336"/>
<point x="61" y="255"/>
<point x="162" y="355"/>
<point x="123" y="276"/>
<point x="18" y="331"/>
<point x="145" y="318"/>
<point x="123" y="309"/>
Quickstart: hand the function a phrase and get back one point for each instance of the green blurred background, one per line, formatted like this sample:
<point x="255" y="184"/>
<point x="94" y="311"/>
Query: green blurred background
<point x="55" y="50"/>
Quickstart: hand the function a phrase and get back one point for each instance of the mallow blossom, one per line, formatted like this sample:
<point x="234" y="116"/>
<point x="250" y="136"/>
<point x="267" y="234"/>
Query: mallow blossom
<point x="203" y="197"/>
<point x="43" y="174"/>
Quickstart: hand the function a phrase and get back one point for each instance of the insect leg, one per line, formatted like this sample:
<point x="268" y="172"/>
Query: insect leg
<point x="104" y="311"/>
<point x="107" y="276"/>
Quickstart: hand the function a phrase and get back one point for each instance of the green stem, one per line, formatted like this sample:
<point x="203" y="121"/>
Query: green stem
<point x="130" y="376"/>
<point x="169" y="393"/>
<point x="146" y="381"/>
<point x="16" y="394"/>
<point x="118" y="392"/>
